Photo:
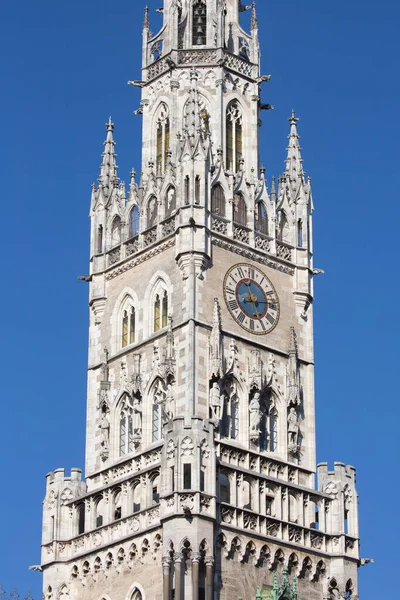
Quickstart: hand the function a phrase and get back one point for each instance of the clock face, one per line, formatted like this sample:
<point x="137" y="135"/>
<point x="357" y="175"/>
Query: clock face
<point x="251" y="299"/>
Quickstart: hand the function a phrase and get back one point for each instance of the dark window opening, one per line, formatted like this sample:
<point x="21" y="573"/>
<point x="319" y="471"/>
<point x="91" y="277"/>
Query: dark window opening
<point x="99" y="521"/>
<point x="155" y="495"/>
<point x="187" y="477"/>
<point x="199" y="24"/>
<point x="202" y="480"/>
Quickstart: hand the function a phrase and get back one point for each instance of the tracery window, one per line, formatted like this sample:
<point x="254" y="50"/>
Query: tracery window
<point x="230" y="417"/>
<point x="218" y="200"/>
<point x="163" y="138"/>
<point x="126" y="427"/>
<point x="134" y="221"/>
<point x="283" y="226"/>
<point x="159" y="417"/>
<point x="268" y="425"/>
<point x="239" y="210"/>
<point x="160" y="310"/>
<point x="199" y="23"/>
<point x="234" y="136"/>
<point x="128" y="327"/>
<point x="262" y="219"/>
<point x="116" y="232"/>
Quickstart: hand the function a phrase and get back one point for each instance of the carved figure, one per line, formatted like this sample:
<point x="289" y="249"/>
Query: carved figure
<point x="293" y="427"/>
<point x="216" y="402"/>
<point x="105" y="431"/>
<point x="255" y="415"/>
<point x="170" y="402"/>
<point x="137" y="418"/>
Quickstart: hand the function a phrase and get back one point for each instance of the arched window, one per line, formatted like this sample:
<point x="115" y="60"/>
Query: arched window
<point x="283" y="226"/>
<point x="137" y="595"/>
<point x="218" y="200"/>
<point x="81" y="519"/>
<point x="155" y="491"/>
<point x="137" y="499"/>
<point x="126" y="430"/>
<point x="239" y="210"/>
<point x="224" y="488"/>
<point x="116" y="232"/>
<point x="187" y="190"/>
<point x="100" y="239"/>
<point x="159" y="416"/>
<point x="117" y="506"/>
<point x="100" y="512"/>
<point x="299" y="233"/>
<point x="199" y="23"/>
<point x="269" y="501"/>
<point x="160" y="310"/>
<point x="163" y="138"/>
<point x="151" y="211"/>
<point x="197" y="190"/>
<point x="262" y="219"/>
<point x="246" y="497"/>
<point x="273" y="430"/>
<point x="170" y="201"/>
<point x="134" y="221"/>
<point x="234" y="136"/>
<point x="293" y="509"/>
<point x="128" y="327"/>
<point x="230" y="418"/>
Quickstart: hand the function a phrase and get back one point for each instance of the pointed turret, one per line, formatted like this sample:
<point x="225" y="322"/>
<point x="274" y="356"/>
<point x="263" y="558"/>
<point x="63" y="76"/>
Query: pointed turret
<point x="254" y="20"/>
<point x="294" y="162"/>
<point x="108" y="170"/>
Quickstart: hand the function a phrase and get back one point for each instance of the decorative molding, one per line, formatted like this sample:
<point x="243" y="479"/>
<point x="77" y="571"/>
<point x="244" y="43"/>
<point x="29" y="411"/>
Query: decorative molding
<point x="253" y="256"/>
<point x="140" y="259"/>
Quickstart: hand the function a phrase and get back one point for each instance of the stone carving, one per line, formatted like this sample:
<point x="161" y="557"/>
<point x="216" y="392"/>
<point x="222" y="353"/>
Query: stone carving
<point x="255" y="370"/>
<point x="169" y="403"/>
<point x="205" y="450"/>
<point x="114" y="256"/>
<point x="216" y="343"/>
<point x="219" y="226"/>
<point x="186" y="501"/>
<point x="104" y="434"/>
<point x="255" y="417"/>
<point x="293" y="427"/>
<point x="283" y="252"/>
<point x="317" y="541"/>
<point x="241" y="234"/>
<point x="140" y="259"/>
<point x="52" y="499"/>
<point x="171" y="450"/>
<point x="66" y="496"/>
<point x="216" y="403"/>
<point x="262" y="243"/>
<point x="187" y="447"/>
<point x="331" y="489"/>
<point x="293" y="372"/>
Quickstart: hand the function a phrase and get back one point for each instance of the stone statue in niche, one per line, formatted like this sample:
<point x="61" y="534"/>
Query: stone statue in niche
<point x="216" y="403"/>
<point x="169" y="403"/>
<point x="293" y="428"/>
<point x="255" y="416"/>
<point x="105" y="432"/>
<point x="137" y="421"/>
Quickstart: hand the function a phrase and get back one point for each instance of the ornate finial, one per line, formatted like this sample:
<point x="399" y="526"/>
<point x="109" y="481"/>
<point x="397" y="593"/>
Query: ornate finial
<point x="146" y="22"/>
<point x="262" y="171"/>
<point x="110" y="125"/>
<point x="254" y="20"/>
<point x="133" y="175"/>
<point x="293" y="120"/>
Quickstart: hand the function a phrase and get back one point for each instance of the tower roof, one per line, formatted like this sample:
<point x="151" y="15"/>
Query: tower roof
<point x="108" y="170"/>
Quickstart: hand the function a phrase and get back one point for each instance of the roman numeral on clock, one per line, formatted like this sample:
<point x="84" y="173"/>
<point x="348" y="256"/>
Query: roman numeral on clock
<point x="230" y="291"/>
<point x="271" y="319"/>
<point x="241" y="317"/>
<point x="233" y="304"/>
<point x="251" y="324"/>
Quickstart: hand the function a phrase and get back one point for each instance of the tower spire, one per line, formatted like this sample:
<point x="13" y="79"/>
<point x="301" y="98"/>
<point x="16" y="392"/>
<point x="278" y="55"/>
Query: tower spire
<point x="294" y="162"/>
<point x="146" y="22"/>
<point x="108" y="169"/>
<point x="254" y="20"/>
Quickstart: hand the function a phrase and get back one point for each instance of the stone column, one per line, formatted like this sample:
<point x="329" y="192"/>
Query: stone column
<point x="209" y="578"/>
<point x="178" y="576"/>
<point x="195" y="575"/>
<point x="166" y="563"/>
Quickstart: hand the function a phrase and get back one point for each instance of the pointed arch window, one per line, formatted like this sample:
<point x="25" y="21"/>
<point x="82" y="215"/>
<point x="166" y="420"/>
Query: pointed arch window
<point x="273" y="430"/>
<point x="240" y="210"/>
<point x="116" y="232"/>
<point x="161" y="310"/>
<point x="128" y="327"/>
<point x="170" y="201"/>
<point x="100" y="512"/>
<point x="137" y="595"/>
<point x="283" y="226"/>
<point x="151" y="212"/>
<point x="262" y="218"/>
<point x="197" y="189"/>
<point x="100" y="239"/>
<point x="134" y="222"/>
<point x="230" y="417"/>
<point x="299" y="233"/>
<point x="199" y="23"/>
<point x="218" y="200"/>
<point x="159" y="417"/>
<point x="234" y="136"/>
<point x="268" y="424"/>
<point x="163" y="135"/>
<point x="187" y="190"/>
<point x="126" y="430"/>
<point x="224" y="488"/>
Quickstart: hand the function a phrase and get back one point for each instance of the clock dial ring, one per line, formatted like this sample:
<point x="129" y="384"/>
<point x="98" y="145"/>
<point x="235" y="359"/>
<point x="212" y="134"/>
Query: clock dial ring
<point x="251" y="299"/>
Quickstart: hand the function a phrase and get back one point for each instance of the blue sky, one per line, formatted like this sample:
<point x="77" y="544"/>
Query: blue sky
<point x="64" y="68"/>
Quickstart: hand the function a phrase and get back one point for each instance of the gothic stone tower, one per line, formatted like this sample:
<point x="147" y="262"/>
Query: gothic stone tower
<point x="200" y="454"/>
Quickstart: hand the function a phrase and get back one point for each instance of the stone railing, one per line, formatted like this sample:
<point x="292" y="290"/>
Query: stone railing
<point x="241" y="234"/>
<point x="262" y="241"/>
<point x="284" y="251"/>
<point x="168" y="227"/>
<point x="196" y="502"/>
<point x="157" y="68"/>
<point x="114" y="256"/>
<point x="150" y="237"/>
<point x="219" y="225"/>
<point x="198" y="56"/>
<point x="238" y="64"/>
<point x="103" y="536"/>
<point x="132" y="246"/>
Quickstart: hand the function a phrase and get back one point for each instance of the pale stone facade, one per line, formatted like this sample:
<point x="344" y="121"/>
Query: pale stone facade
<point x="200" y="453"/>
